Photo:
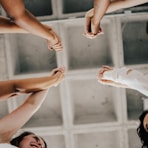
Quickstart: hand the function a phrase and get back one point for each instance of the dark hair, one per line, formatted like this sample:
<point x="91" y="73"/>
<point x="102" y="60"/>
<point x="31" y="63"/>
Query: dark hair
<point x="16" y="141"/>
<point x="142" y="133"/>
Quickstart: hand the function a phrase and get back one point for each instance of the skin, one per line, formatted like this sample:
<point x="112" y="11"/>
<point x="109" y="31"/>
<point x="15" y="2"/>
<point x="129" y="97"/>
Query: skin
<point x="38" y="87"/>
<point x="24" y="21"/>
<point x="145" y="122"/>
<point x="94" y="16"/>
<point x="32" y="141"/>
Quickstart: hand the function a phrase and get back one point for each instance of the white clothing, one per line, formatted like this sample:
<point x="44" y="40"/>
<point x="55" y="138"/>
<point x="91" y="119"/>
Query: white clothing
<point x="7" y="145"/>
<point x="133" y="79"/>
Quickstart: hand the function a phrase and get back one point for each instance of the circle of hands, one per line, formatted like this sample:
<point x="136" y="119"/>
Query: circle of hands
<point x="91" y="31"/>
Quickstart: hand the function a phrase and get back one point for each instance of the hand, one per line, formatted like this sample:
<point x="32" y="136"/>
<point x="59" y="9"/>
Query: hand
<point x="91" y="29"/>
<point x="100" y="75"/>
<point x="108" y="82"/>
<point x="55" y="42"/>
<point x="58" y="74"/>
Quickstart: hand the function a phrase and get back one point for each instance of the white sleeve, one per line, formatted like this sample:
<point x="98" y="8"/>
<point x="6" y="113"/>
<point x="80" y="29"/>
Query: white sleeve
<point x="133" y="79"/>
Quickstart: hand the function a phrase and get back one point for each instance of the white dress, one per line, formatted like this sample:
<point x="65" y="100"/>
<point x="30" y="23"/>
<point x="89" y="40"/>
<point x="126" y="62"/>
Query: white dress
<point x="134" y="79"/>
<point x="7" y="145"/>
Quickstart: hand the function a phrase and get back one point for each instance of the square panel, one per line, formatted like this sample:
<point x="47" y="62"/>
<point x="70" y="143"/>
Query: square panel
<point x="133" y="139"/>
<point x="39" y="7"/>
<point x="3" y="108"/>
<point x="29" y="54"/>
<point x="55" y="141"/>
<point x="93" y="102"/>
<point x="84" y="53"/>
<point x="134" y="104"/>
<point x="106" y="139"/>
<point x="135" y="39"/>
<point x="74" y="6"/>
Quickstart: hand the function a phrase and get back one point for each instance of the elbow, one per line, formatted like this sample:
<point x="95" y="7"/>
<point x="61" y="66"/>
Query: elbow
<point x="17" y="15"/>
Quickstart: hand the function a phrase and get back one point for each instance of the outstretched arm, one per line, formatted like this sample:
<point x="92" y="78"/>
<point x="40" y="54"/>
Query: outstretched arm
<point x="93" y="16"/>
<point x="11" y="123"/>
<point x="14" y="87"/>
<point x="6" y="26"/>
<point x="28" y="22"/>
<point x="38" y="88"/>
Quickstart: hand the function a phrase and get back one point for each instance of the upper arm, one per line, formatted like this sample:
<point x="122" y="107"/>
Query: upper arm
<point x="13" y="8"/>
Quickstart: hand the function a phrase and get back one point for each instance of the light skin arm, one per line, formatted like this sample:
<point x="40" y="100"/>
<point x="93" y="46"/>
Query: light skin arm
<point x="98" y="14"/>
<point x="100" y="7"/>
<point x="20" y="116"/>
<point x="6" y="26"/>
<point x="38" y="88"/>
<point x="14" y="87"/>
<point x="28" y="22"/>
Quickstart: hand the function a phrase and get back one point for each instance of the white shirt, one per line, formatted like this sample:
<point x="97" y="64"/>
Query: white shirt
<point x="133" y="79"/>
<point x="7" y="145"/>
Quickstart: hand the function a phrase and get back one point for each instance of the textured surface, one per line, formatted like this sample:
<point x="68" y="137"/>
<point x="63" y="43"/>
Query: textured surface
<point x="80" y="112"/>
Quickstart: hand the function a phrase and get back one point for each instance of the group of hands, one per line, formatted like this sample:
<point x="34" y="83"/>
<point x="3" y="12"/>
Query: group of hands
<point x="91" y="31"/>
<point x="59" y="74"/>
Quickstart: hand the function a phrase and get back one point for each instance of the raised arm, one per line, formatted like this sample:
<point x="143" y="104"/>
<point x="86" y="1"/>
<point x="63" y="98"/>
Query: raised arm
<point x="93" y="16"/>
<point x="28" y="22"/>
<point x="11" y="123"/>
<point x="38" y="88"/>
<point x="6" y="26"/>
<point x="11" y="88"/>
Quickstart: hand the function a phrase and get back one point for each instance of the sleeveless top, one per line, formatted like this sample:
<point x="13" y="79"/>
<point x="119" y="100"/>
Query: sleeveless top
<point x="7" y="145"/>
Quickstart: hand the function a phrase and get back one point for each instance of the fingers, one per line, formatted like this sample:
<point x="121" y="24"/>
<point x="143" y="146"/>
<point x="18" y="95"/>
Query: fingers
<point x="55" y="43"/>
<point x="59" y="74"/>
<point x="90" y="35"/>
<point x="100" y="75"/>
<point x="60" y="69"/>
<point x="87" y="24"/>
<point x="105" y="67"/>
<point x="91" y="30"/>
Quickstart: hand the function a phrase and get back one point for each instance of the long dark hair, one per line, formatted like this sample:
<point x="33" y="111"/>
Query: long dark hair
<point x="142" y="133"/>
<point x="16" y="141"/>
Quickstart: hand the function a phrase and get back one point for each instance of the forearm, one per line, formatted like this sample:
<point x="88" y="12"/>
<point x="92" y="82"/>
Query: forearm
<point x="121" y="4"/>
<point x="100" y="7"/>
<point x="6" y="26"/>
<point x="34" y="84"/>
<point x="26" y="110"/>
<point x="13" y="87"/>
<point x="29" y="23"/>
<point x="117" y="5"/>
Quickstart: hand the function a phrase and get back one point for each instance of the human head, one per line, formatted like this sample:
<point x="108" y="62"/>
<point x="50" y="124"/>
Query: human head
<point x="17" y="141"/>
<point x="141" y="131"/>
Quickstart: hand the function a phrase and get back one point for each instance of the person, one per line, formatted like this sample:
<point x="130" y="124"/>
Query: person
<point x="124" y="77"/>
<point x="94" y="16"/>
<point x="38" y="89"/>
<point x="142" y="130"/>
<point x="20" y="18"/>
